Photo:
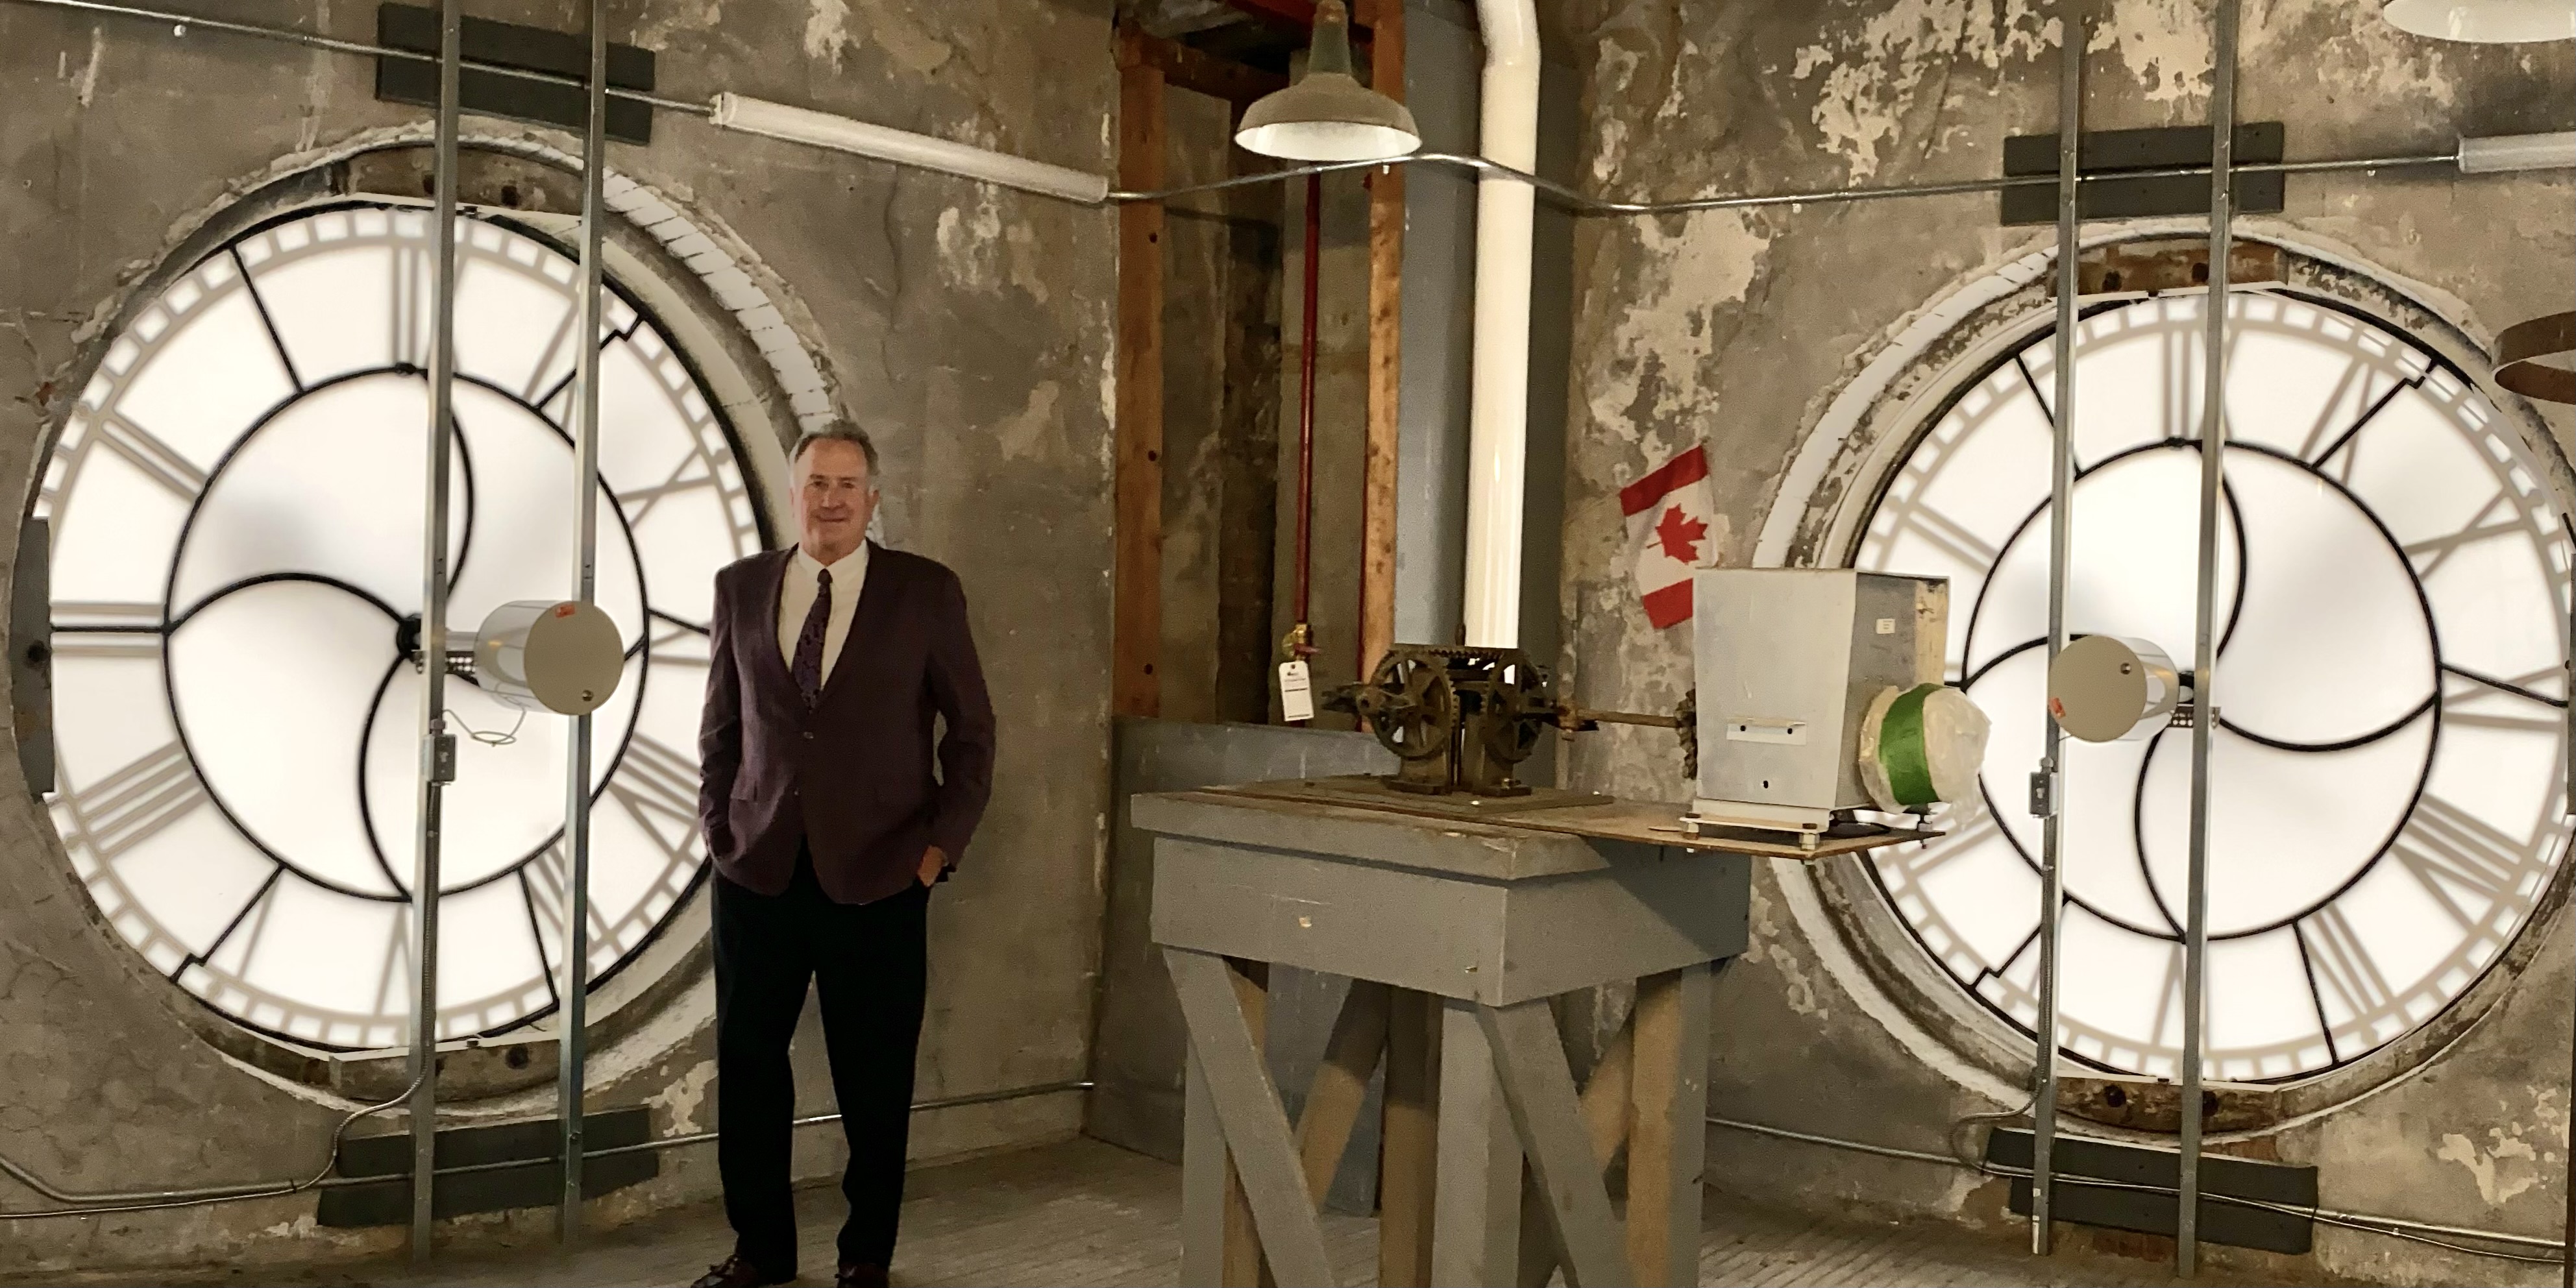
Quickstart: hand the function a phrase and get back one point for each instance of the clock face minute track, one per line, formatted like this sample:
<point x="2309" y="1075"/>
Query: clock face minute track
<point x="236" y="501"/>
<point x="2387" y="800"/>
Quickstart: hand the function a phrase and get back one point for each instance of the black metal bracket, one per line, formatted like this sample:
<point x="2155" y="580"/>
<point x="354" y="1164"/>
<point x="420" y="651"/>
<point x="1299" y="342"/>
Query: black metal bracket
<point x="2109" y="152"/>
<point x="31" y="654"/>
<point x="510" y="44"/>
<point x="2141" y="1196"/>
<point x="529" y="1174"/>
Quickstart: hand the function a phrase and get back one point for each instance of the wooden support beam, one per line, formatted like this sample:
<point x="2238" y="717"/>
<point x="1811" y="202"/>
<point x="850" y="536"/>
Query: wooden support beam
<point x="1137" y="593"/>
<point x="1603" y="1107"/>
<point x="1667" y="1125"/>
<point x="1243" y="1265"/>
<point x="1300" y="14"/>
<point x="1334" y="1099"/>
<point x="1478" y="1207"/>
<point x="1539" y="1088"/>
<point x="1408" y="1140"/>
<point x="1200" y="72"/>
<point x="1214" y="994"/>
<point x="1208" y="1191"/>
<point x="1606" y="1095"/>
<point x="1385" y="369"/>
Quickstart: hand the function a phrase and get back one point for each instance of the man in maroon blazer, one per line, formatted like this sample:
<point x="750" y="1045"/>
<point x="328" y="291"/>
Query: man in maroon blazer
<point x="829" y="662"/>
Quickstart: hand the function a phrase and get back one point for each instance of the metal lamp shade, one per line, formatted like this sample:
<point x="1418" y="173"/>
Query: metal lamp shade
<point x="1327" y="115"/>
<point x="2486" y="22"/>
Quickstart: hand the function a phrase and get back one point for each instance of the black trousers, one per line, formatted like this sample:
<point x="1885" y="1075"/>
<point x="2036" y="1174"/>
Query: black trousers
<point x="868" y="963"/>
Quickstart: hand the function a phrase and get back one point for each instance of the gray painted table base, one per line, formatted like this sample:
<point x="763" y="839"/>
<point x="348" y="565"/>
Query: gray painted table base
<point x="1492" y="920"/>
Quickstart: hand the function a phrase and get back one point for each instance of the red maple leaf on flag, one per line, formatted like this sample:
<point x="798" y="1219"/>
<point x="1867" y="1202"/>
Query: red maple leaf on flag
<point x="1681" y="535"/>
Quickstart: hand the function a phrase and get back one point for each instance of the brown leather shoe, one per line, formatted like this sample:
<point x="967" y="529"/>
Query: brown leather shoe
<point x="734" y="1272"/>
<point x="859" y="1274"/>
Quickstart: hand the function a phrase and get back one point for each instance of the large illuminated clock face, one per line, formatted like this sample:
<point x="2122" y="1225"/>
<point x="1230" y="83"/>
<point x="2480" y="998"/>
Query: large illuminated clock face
<point x="2387" y="782"/>
<point x="236" y="502"/>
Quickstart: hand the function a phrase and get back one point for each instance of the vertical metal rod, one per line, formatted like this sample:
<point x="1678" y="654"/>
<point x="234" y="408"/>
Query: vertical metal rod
<point x="2213" y="467"/>
<point x="2567" y="804"/>
<point x="1312" y="270"/>
<point x="572" y="1038"/>
<point x="2061" y="540"/>
<point x="436" y="760"/>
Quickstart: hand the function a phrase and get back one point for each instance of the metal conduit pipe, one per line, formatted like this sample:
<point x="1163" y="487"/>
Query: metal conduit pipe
<point x="310" y="40"/>
<point x="1300" y="644"/>
<point x="2394" y="1227"/>
<point x="1582" y="204"/>
<point x="105" y="1203"/>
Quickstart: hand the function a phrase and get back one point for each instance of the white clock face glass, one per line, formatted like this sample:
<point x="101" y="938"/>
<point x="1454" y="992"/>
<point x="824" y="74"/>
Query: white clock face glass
<point x="2387" y="778"/>
<point x="237" y="503"/>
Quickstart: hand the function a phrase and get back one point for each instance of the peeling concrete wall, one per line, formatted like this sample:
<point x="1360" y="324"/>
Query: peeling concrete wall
<point x="970" y="328"/>
<point x="1740" y="328"/>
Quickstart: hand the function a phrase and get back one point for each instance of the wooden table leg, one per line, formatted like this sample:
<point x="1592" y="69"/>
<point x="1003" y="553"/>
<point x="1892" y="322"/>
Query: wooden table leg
<point x="1243" y="1265"/>
<point x="1207" y="1188"/>
<point x="1477" y="1204"/>
<point x="1229" y="1108"/>
<point x="1408" y="1141"/>
<point x="1668" y="1130"/>
<point x="1548" y="1115"/>
<point x="1605" y="1122"/>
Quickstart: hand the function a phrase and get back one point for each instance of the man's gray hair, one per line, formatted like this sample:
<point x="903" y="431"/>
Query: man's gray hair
<point x="837" y="431"/>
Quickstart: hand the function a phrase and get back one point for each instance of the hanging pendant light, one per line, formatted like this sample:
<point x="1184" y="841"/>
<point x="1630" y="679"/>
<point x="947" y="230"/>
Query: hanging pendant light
<point x="1327" y="115"/>
<point x="2485" y="22"/>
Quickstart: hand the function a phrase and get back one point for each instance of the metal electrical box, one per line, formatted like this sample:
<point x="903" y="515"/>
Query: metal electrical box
<point x="1789" y="660"/>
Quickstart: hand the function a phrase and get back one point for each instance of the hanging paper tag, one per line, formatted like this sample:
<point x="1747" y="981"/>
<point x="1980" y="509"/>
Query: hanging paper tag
<point x="1296" y="692"/>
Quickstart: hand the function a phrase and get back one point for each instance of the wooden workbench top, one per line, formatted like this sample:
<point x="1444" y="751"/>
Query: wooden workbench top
<point x="1365" y="800"/>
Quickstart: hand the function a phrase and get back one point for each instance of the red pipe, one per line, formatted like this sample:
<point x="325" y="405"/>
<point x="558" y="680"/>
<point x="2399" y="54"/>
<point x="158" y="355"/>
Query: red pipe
<point x="1306" y="412"/>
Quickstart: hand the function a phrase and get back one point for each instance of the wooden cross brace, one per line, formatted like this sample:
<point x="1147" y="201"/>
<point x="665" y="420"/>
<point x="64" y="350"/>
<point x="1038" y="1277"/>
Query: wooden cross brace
<point x="1250" y="1210"/>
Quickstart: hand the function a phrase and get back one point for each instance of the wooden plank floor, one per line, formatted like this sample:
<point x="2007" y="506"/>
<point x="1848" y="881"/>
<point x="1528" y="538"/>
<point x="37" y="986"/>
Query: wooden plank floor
<point x="1083" y="1214"/>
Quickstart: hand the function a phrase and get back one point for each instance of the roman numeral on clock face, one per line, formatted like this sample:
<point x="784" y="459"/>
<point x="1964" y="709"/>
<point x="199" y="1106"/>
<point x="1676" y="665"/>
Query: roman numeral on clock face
<point x="133" y="804"/>
<point x="2465" y="864"/>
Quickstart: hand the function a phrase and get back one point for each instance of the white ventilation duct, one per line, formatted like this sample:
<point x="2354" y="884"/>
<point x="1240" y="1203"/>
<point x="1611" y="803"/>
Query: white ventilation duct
<point x="902" y="147"/>
<point x="1498" y="403"/>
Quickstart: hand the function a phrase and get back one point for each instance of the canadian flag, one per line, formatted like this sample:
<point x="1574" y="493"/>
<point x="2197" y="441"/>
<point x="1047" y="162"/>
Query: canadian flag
<point x="1670" y="515"/>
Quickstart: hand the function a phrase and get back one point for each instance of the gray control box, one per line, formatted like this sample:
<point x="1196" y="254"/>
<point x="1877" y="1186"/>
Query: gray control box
<point x="1789" y="661"/>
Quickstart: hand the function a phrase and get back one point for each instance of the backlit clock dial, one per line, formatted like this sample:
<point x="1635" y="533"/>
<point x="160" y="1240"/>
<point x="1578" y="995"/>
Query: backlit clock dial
<point x="236" y="506"/>
<point x="2387" y="772"/>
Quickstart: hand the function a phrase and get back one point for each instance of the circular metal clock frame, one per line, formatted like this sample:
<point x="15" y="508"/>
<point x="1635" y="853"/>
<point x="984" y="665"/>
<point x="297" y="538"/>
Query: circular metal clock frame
<point x="734" y="475"/>
<point x="2539" y="889"/>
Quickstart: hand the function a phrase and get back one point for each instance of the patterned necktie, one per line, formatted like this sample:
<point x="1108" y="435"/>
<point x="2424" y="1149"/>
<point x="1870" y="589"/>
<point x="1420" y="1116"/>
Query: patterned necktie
<point x="808" y="669"/>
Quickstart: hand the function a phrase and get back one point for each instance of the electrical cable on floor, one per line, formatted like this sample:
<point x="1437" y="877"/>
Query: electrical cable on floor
<point x="2391" y="1227"/>
<point x="105" y="1204"/>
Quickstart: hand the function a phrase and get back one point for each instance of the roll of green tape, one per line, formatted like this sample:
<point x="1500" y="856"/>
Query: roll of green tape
<point x="1901" y="751"/>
